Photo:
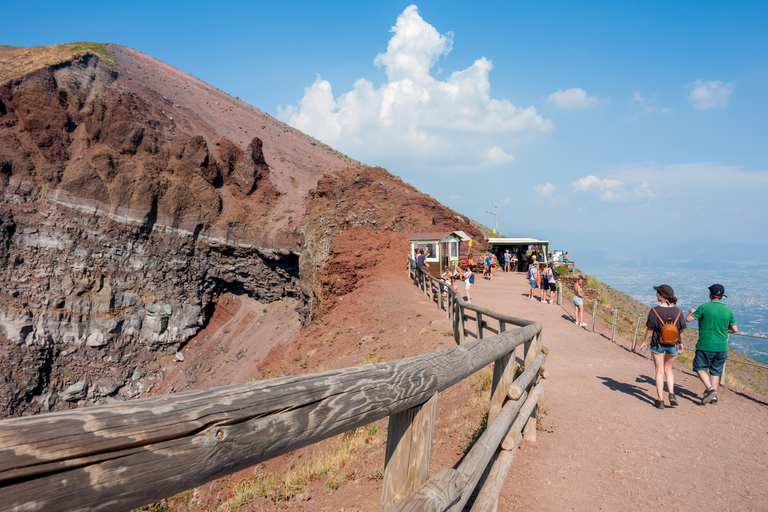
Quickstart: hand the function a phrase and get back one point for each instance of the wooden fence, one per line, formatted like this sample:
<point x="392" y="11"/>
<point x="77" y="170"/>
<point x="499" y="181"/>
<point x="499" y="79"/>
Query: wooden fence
<point x="121" y="456"/>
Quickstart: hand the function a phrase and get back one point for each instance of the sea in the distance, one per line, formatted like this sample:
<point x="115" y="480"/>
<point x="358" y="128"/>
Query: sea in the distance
<point x="745" y="287"/>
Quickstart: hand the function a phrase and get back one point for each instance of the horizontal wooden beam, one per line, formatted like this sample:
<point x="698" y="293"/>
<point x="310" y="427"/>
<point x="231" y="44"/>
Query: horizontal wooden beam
<point x="525" y="378"/>
<point x="489" y="495"/>
<point x="120" y="456"/>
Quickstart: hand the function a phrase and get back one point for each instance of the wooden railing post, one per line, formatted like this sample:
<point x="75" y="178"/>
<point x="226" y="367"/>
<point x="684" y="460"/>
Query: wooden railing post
<point x="531" y="350"/>
<point x="637" y="329"/>
<point x="594" y="315"/>
<point x="462" y="334"/>
<point x="479" y="325"/>
<point x="409" y="451"/>
<point x="559" y="293"/>
<point x="503" y="376"/>
<point x="613" y="328"/>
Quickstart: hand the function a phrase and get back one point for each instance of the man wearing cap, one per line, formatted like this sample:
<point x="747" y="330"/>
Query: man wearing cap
<point x="716" y="320"/>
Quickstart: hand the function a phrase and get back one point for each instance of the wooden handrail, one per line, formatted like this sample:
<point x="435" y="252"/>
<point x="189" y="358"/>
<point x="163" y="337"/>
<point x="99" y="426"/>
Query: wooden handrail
<point x="120" y="456"/>
<point x="450" y="489"/>
<point x="117" y="456"/>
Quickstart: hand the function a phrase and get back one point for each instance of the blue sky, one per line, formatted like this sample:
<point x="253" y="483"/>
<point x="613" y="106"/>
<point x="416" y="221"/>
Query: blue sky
<point x="601" y="126"/>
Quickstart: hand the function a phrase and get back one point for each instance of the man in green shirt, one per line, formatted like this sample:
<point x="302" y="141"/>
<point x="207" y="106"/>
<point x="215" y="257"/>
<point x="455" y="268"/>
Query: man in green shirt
<point x="716" y="320"/>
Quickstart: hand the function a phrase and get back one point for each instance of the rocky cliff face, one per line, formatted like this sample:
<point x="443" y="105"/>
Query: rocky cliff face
<point x="132" y="195"/>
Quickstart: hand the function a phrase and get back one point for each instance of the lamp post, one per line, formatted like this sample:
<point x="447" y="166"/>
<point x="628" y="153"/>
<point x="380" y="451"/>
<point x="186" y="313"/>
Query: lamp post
<point x="495" y="218"/>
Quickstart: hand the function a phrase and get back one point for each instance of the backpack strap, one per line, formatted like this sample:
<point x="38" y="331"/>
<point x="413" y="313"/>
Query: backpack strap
<point x="662" y="321"/>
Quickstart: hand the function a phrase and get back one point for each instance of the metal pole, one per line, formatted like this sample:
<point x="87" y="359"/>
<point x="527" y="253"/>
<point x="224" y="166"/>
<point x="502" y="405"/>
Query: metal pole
<point x="613" y="328"/>
<point x="559" y="293"/>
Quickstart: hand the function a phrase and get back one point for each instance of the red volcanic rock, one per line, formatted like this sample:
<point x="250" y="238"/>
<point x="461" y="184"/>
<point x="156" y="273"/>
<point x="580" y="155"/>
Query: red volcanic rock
<point x="133" y="196"/>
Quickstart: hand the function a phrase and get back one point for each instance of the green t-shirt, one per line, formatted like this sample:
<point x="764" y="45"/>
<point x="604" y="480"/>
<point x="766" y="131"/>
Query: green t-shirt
<point x="714" y="319"/>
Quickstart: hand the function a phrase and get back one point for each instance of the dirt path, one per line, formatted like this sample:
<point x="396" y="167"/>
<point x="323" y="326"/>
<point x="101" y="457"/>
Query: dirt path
<point x="605" y="447"/>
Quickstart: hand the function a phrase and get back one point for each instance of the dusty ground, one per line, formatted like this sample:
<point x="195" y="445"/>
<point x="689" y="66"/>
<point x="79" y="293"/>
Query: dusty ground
<point x="605" y="447"/>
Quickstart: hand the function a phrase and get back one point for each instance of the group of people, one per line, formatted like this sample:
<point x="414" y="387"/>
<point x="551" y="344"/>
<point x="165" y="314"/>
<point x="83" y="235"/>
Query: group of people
<point x="666" y="323"/>
<point x="665" y="326"/>
<point x="544" y="277"/>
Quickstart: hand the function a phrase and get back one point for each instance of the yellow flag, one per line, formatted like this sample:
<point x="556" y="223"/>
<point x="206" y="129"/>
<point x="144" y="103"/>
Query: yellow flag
<point x="470" y="243"/>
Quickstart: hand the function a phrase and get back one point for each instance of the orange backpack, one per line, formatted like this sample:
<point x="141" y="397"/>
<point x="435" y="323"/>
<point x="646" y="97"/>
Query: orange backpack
<point x="668" y="335"/>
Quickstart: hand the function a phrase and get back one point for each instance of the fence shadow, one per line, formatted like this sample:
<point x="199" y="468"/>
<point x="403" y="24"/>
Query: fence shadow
<point x="680" y="391"/>
<point x="628" y="389"/>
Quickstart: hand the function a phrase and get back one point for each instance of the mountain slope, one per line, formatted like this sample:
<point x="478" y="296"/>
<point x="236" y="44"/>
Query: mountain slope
<point x="133" y="196"/>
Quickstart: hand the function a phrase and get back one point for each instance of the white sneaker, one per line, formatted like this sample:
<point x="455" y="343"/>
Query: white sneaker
<point x="583" y="325"/>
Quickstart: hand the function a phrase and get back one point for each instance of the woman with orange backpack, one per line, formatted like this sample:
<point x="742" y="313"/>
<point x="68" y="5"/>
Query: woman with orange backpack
<point x="665" y="330"/>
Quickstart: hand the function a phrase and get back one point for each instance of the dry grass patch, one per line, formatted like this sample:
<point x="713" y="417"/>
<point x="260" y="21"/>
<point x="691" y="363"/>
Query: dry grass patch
<point x="341" y="452"/>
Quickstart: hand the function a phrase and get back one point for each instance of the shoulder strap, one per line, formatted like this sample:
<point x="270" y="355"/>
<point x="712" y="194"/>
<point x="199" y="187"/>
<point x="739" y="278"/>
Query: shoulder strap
<point x="678" y="316"/>
<point x="657" y="315"/>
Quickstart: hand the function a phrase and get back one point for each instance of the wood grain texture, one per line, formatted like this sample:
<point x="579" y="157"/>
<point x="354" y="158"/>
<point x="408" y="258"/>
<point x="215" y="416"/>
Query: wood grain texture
<point x="474" y="464"/>
<point x="117" y="457"/>
<point x="436" y="495"/>
<point x="524" y="380"/>
<point x="409" y="451"/>
<point x="513" y="436"/>
<point x="488" y="496"/>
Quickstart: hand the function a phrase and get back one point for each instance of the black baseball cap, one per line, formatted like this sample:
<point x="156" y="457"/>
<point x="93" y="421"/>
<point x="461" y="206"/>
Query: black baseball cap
<point x="717" y="290"/>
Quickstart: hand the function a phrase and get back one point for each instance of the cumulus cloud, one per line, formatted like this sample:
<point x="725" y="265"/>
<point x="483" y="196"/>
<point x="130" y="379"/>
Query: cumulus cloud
<point x="613" y="190"/>
<point x="572" y="99"/>
<point x="708" y="95"/>
<point x="413" y="117"/>
<point x="544" y="191"/>
<point x="711" y="183"/>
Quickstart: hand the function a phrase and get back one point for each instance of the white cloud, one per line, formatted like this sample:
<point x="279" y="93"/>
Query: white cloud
<point x="646" y="106"/>
<point x="707" y="95"/>
<point x="612" y="189"/>
<point x="572" y="99"/>
<point x="710" y="183"/>
<point x="413" y="117"/>
<point x="544" y="191"/>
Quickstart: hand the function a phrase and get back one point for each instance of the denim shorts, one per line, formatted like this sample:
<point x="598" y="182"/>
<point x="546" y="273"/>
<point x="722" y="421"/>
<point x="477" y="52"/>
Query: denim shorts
<point x="533" y="283"/>
<point x="670" y="349"/>
<point x="578" y="301"/>
<point x="712" y="361"/>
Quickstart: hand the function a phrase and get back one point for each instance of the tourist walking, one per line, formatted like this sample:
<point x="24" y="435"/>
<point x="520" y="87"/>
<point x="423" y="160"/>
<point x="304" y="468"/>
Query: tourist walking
<point x="578" y="301"/>
<point x="543" y="284"/>
<point x="552" y="276"/>
<point x="665" y="331"/>
<point x="469" y="280"/>
<point x="716" y="320"/>
<point x="507" y="260"/>
<point x="534" y="278"/>
<point x="514" y="262"/>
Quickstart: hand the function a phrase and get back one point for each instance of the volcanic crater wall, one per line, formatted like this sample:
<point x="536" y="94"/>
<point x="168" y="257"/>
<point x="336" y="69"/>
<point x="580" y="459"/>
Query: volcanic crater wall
<point x="85" y="292"/>
<point x="117" y="231"/>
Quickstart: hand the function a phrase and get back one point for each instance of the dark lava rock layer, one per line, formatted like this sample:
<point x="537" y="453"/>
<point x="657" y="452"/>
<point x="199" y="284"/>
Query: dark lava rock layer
<point x="132" y="195"/>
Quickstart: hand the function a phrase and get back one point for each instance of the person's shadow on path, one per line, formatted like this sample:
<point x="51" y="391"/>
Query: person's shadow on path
<point x="629" y="389"/>
<point x="680" y="391"/>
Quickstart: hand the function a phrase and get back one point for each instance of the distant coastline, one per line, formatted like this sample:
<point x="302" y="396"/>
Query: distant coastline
<point x="743" y="284"/>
